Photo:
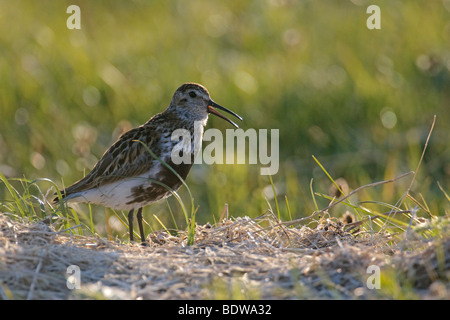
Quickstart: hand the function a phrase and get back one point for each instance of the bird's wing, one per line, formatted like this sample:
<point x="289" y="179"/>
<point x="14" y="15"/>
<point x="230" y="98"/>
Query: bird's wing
<point x="127" y="157"/>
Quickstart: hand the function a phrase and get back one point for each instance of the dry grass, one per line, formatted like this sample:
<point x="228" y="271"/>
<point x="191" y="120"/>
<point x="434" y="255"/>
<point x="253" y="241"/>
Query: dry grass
<point x="234" y="259"/>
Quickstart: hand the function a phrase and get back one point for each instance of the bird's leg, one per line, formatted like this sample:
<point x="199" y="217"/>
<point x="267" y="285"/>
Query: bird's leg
<point x="141" y="227"/>
<point x="130" y="224"/>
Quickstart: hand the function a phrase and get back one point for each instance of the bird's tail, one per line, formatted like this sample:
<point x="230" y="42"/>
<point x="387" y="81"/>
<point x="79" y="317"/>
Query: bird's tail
<point x="56" y="199"/>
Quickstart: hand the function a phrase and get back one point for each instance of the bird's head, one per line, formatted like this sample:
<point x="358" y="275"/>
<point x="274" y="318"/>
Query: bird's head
<point x="192" y="101"/>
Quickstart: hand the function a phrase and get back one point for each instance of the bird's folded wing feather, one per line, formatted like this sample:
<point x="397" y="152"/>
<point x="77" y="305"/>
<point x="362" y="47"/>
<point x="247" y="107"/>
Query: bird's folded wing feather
<point x="127" y="157"/>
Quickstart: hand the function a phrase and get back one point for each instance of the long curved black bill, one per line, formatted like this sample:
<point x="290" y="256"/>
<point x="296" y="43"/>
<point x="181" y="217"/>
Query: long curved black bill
<point x="212" y="105"/>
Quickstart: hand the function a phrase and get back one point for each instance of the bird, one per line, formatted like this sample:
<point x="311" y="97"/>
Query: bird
<point x="128" y="177"/>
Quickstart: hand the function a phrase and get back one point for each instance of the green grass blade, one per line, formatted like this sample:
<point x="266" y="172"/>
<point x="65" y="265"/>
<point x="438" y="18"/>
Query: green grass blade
<point x="160" y="222"/>
<point x="313" y="194"/>
<point x="275" y="197"/>
<point x="91" y="220"/>
<point x="328" y="175"/>
<point x="443" y="191"/>
<point x="171" y="214"/>
<point x="288" y="209"/>
<point x="13" y="192"/>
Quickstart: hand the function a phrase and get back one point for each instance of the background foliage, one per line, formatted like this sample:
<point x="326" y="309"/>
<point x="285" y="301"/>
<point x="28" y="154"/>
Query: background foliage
<point x="360" y="100"/>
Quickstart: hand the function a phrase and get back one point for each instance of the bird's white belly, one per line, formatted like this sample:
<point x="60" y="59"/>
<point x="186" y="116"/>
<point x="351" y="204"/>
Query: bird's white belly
<point x="117" y="195"/>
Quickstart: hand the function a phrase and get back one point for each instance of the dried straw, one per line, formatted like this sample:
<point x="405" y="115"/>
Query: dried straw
<point x="236" y="258"/>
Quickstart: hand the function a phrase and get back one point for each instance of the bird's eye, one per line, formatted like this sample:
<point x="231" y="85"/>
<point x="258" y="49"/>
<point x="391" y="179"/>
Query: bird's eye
<point x="192" y="94"/>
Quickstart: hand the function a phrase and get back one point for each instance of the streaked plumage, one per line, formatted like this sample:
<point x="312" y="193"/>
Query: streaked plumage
<point x="122" y="178"/>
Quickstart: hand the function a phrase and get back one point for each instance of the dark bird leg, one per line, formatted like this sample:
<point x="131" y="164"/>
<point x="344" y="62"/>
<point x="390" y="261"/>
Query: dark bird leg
<point x="141" y="227"/>
<point x="130" y="224"/>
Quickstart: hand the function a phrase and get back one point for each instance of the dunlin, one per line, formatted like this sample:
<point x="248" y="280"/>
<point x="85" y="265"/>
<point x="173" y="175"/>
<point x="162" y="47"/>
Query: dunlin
<point x="127" y="175"/>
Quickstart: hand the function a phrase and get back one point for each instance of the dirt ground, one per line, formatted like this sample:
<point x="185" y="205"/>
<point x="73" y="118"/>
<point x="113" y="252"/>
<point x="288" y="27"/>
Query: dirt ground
<point x="238" y="258"/>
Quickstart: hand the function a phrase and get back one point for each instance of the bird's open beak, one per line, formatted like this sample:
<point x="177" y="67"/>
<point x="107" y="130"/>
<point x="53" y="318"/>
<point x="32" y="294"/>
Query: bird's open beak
<point x="215" y="112"/>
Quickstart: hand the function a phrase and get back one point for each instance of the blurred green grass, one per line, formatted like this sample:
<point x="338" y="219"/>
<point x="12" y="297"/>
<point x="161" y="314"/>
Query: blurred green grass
<point x="362" y="101"/>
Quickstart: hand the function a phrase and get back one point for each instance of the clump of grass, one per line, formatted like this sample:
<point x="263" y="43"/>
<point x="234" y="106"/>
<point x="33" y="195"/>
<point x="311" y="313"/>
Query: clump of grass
<point x="31" y="203"/>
